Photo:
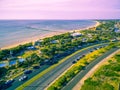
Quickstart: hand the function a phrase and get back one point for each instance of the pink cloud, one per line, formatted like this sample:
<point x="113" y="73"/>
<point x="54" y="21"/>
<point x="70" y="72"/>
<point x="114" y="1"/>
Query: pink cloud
<point x="52" y="9"/>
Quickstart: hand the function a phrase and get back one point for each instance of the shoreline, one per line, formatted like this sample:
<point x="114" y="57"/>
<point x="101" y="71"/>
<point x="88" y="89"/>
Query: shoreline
<point x="89" y="27"/>
<point x="28" y="40"/>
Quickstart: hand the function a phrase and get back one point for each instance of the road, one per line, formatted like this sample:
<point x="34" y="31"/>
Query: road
<point x="17" y="83"/>
<point x="46" y="79"/>
<point x="80" y="75"/>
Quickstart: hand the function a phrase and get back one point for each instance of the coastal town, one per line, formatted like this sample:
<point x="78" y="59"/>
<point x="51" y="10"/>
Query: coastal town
<point x="59" y="44"/>
<point x="21" y="64"/>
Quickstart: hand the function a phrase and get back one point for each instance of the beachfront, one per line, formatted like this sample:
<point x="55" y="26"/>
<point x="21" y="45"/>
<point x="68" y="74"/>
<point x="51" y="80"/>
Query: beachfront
<point x="46" y="35"/>
<point x="49" y="51"/>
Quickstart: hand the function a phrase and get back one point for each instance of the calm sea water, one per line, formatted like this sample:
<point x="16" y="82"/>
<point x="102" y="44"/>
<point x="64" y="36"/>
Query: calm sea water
<point x="15" y="31"/>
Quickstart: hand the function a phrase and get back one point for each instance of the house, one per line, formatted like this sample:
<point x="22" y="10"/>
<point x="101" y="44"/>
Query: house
<point x="21" y="59"/>
<point x="76" y="34"/>
<point x="84" y="40"/>
<point x="38" y="42"/>
<point x="54" y="41"/>
<point x="31" y="48"/>
<point x="89" y="35"/>
<point x="117" y="30"/>
<point x="113" y="40"/>
<point x="39" y="52"/>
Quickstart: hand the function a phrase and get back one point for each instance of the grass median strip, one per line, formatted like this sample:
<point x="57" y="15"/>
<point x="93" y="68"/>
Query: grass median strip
<point x="49" y="69"/>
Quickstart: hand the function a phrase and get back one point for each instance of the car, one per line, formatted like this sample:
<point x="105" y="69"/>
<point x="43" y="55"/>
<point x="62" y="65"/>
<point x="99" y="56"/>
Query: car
<point x="78" y="58"/>
<point x="23" y="78"/>
<point x="83" y="55"/>
<point x="91" y="50"/>
<point x="9" y="82"/>
<point x="27" y="71"/>
<point x="96" y="48"/>
<point x="36" y="67"/>
<point x="74" y="62"/>
<point x="83" y="68"/>
<point x="101" y="47"/>
<point x="42" y="63"/>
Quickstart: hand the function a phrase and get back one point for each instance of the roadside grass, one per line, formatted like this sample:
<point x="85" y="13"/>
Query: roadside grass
<point x="15" y="76"/>
<point x="107" y="76"/>
<point x="21" y="87"/>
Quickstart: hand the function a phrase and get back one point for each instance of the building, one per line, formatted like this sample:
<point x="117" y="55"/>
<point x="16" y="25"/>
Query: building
<point x="84" y="40"/>
<point x="38" y="42"/>
<point x="76" y="34"/>
<point x="54" y="41"/>
<point x="117" y="30"/>
<point x="31" y="48"/>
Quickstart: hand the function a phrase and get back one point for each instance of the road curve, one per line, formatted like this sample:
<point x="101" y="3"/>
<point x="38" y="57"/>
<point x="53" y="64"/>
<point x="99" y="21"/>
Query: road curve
<point x="93" y="70"/>
<point x="80" y="75"/>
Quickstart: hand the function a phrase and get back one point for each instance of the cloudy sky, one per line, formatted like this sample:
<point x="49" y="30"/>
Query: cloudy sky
<point x="59" y="9"/>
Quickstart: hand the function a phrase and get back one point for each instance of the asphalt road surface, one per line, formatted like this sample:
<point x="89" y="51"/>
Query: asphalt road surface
<point x="80" y="75"/>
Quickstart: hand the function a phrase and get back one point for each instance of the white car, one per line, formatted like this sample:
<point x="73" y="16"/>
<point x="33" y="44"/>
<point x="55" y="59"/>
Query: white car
<point x="23" y="78"/>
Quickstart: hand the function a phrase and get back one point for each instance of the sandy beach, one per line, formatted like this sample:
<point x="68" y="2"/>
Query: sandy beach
<point x="93" y="26"/>
<point x="35" y="38"/>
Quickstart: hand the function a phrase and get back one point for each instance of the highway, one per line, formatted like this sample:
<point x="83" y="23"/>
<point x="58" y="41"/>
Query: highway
<point x="46" y="79"/>
<point x="17" y="83"/>
<point x="50" y="76"/>
<point x="80" y="75"/>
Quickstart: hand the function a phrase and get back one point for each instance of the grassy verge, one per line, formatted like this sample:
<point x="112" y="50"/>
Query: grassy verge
<point x="107" y="77"/>
<point x="76" y="68"/>
<point x="50" y="68"/>
<point x="17" y="75"/>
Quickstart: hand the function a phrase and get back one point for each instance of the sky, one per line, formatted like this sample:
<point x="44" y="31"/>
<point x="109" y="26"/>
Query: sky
<point x="59" y="9"/>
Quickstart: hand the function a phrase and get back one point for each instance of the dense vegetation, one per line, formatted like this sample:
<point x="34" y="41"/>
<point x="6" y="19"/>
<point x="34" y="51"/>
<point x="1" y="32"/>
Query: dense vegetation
<point x="106" y="78"/>
<point x="4" y="54"/>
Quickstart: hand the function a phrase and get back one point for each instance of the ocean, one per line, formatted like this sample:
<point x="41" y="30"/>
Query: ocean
<point x="17" y="31"/>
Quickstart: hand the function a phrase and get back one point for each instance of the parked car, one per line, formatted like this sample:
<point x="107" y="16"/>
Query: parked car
<point x="23" y="78"/>
<point x="8" y="82"/>
<point x="36" y="67"/>
<point x="27" y="71"/>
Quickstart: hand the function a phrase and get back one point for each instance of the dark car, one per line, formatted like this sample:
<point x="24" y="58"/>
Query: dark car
<point x="2" y="87"/>
<point x="78" y="58"/>
<point x="8" y="82"/>
<point x="36" y="67"/>
<point x="83" y="55"/>
<point x="96" y="48"/>
<point x="83" y="68"/>
<point x="74" y="62"/>
<point x="42" y="63"/>
<point x="91" y="50"/>
<point x="27" y="71"/>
